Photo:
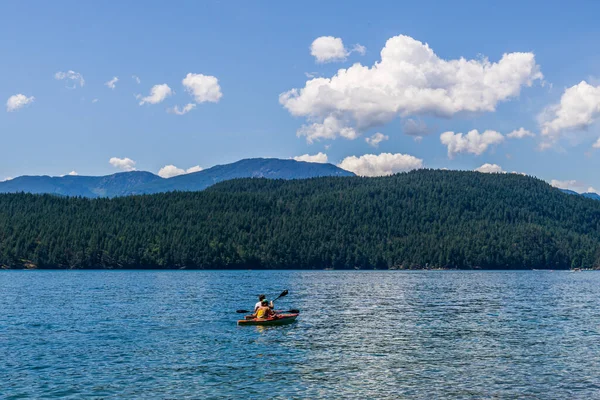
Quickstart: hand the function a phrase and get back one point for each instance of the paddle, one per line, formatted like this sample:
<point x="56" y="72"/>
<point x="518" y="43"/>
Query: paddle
<point x="282" y="294"/>
<point x="294" y="311"/>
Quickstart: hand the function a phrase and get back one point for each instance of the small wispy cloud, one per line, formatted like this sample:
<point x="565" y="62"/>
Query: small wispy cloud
<point x="311" y="75"/>
<point x="72" y="173"/>
<point x="177" y="111"/>
<point x="158" y="93"/>
<point x="376" y="139"/>
<point x="520" y="134"/>
<point x="169" y="171"/>
<point x="73" y="77"/>
<point x="112" y="83"/>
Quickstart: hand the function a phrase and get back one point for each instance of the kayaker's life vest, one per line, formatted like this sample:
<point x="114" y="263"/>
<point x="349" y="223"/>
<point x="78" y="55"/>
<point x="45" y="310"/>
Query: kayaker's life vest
<point x="262" y="312"/>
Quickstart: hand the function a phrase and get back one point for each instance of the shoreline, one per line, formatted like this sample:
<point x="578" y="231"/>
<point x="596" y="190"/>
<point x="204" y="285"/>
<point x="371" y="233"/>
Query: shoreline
<point x="7" y="268"/>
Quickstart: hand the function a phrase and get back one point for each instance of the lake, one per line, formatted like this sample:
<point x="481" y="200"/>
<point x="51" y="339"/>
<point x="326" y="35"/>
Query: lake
<point x="372" y="334"/>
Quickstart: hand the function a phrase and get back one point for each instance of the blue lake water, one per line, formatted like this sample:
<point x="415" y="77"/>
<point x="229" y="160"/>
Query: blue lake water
<point x="173" y="334"/>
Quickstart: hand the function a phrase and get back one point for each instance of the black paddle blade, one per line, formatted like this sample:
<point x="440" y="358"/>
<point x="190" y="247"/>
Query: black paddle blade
<point x="242" y="311"/>
<point x="294" y="311"/>
<point x="284" y="293"/>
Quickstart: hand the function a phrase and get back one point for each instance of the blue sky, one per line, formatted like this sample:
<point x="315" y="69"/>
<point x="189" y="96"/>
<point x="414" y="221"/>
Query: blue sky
<point x="258" y="51"/>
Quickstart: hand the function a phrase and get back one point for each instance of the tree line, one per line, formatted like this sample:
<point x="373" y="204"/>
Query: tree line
<point x="420" y="219"/>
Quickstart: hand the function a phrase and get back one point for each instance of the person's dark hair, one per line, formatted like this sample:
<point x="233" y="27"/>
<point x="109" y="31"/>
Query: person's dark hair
<point x="264" y="302"/>
<point x="261" y="297"/>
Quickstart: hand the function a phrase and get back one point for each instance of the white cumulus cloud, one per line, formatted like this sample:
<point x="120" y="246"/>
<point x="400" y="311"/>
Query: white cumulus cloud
<point x="596" y="145"/>
<point x="579" y="108"/>
<point x="410" y="79"/>
<point x="73" y="77"/>
<point x="169" y="171"/>
<point x="176" y="110"/>
<point x="490" y="169"/>
<point x="473" y="142"/>
<point x="330" y="128"/>
<point x="126" y="164"/>
<point x="18" y="101"/>
<point x="520" y="134"/>
<point x="317" y="158"/>
<point x="382" y="164"/>
<point x="158" y="93"/>
<point x="329" y="49"/>
<point x="136" y="79"/>
<point x="112" y="83"/>
<point x="376" y="139"/>
<point x="203" y="87"/>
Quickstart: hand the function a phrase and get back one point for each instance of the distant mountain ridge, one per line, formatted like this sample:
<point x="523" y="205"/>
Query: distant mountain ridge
<point x="142" y="182"/>
<point x="589" y="195"/>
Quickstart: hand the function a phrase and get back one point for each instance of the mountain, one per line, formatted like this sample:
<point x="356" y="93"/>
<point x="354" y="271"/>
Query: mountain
<point x="589" y="195"/>
<point x="270" y="168"/>
<point x="120" y="184"/>
<point x="567" y="191"/>
<point x="420" y="219"/>
<point x="140" y="182"/>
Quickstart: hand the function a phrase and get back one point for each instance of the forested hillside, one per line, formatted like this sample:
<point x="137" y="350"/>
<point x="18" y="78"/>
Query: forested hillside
<point x="421" y="219"/>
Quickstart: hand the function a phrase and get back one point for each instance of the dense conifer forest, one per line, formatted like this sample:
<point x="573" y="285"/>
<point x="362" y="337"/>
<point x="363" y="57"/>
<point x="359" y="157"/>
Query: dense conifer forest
<point x="420" y="219"/>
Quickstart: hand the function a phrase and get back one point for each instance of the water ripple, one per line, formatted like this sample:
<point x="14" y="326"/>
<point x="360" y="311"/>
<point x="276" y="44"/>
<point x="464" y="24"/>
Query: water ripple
<point x="392" y="334"/>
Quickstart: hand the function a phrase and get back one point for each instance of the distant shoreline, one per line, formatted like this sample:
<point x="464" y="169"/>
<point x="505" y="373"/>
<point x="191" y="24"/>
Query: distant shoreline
<point x="6" y="268"/>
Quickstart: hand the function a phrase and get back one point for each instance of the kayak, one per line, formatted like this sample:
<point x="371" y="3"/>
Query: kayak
<point x="279" y="319"/>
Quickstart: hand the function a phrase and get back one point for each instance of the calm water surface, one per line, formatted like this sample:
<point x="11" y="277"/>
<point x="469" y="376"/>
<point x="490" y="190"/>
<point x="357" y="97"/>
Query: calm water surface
<point x="173" y="334"/>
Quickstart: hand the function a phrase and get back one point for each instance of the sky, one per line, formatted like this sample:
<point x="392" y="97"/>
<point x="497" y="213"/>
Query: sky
<point x="376" y="88"/>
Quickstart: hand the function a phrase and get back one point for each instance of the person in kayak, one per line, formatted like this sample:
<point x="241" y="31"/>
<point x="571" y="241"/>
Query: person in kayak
<point x="261" y="297"/>
<point x="263" y="311"/>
